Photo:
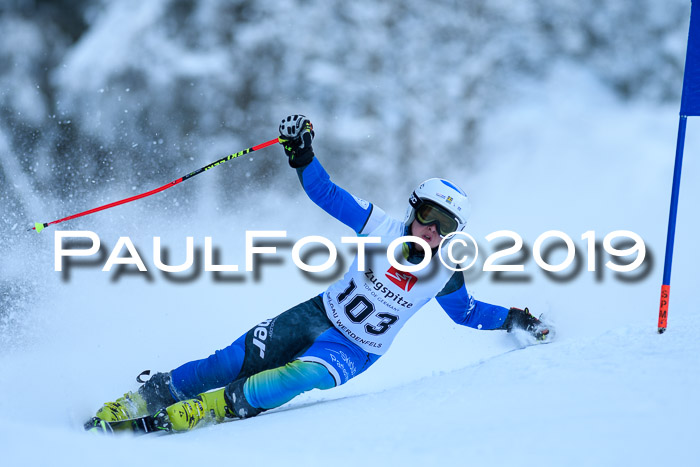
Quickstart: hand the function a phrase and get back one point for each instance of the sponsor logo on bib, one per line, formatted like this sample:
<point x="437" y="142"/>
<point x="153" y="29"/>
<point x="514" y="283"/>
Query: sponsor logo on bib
<point x="403" y="279"/>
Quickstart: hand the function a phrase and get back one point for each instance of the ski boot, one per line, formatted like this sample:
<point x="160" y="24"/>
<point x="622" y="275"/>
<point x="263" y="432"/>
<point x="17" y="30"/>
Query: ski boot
<point x="523" y="319"/>
<point x="208" y="406"/>
<point x="152" y="396"/>
<point x="131" y="405"/>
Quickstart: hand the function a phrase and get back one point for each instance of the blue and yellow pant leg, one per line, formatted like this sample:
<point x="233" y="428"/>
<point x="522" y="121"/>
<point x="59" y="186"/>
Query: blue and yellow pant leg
<point x="342" y="358"/>
<point x="273" y="388"/>
<point x="331" y="360"/>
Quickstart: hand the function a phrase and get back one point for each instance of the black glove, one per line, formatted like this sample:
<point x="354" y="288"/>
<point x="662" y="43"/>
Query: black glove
<point x="522" y="319"/>
<point x="297" y="133"/>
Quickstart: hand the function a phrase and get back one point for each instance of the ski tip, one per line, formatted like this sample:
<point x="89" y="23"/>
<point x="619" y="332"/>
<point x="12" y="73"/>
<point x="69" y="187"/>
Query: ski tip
<point x="38" y="226"/>
<point x="662" y="330"/>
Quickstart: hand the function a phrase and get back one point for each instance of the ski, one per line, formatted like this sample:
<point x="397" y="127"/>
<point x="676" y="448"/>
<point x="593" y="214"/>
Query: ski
<point x="157" y="423"/>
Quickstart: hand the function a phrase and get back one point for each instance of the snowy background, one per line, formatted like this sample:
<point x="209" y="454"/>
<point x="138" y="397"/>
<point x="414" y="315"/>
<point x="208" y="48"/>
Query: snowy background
<point x="551" y="114"/>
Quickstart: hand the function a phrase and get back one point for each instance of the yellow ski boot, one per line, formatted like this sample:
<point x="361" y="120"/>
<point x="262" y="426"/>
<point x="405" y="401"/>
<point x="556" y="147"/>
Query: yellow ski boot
<point x="132" y="405"/>
<point x="208" y="406"/>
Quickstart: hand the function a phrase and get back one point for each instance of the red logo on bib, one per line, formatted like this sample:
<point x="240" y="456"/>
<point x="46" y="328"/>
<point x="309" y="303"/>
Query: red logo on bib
<point x="403" y="279"/>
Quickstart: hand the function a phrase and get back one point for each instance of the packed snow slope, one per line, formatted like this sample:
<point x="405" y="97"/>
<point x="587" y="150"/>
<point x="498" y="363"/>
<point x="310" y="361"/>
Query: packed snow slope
<point x="565" y="155"/>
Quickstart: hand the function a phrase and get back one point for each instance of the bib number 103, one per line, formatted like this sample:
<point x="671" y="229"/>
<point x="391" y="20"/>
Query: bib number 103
<point x="358" y="308"/>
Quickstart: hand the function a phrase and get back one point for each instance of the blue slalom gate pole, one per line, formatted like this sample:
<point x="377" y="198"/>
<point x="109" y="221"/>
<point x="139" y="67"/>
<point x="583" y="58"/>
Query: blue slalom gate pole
<point x="690" y="105"/>
<point x="671" y="233"/>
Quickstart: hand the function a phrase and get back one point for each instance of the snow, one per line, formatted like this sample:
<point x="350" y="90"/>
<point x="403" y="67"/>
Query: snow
<point x="608" y="391"/>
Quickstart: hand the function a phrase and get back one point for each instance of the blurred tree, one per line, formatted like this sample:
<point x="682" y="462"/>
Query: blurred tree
<point x="117" y="94"/>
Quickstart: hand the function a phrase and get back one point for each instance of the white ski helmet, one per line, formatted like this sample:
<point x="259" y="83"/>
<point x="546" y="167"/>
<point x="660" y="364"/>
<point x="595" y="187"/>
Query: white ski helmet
<point x="440" y="201"/>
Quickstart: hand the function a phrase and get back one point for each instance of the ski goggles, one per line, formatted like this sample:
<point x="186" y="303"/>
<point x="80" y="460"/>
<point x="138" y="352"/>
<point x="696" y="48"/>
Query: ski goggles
<point x="428" y="213"/>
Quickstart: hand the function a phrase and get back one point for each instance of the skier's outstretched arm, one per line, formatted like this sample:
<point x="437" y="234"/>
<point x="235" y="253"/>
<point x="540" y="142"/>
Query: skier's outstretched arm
<point x="337" y="202"/>
<point x="317" y="184"/>
<point x="463" y="309"/>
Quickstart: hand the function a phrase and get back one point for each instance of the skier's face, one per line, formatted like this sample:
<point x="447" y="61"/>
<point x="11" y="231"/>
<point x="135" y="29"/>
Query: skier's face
<point x="428" y="233"/>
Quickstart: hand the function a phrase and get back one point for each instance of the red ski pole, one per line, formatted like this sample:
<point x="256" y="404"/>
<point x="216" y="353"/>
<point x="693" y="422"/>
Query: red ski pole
<point x="38" y="226"/>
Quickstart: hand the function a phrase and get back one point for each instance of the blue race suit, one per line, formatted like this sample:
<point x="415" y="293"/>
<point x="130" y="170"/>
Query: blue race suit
<point x="275" y="361"/>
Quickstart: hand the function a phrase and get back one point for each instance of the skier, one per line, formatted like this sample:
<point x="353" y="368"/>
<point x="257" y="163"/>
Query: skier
<point x="335" y="336"/>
